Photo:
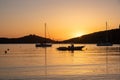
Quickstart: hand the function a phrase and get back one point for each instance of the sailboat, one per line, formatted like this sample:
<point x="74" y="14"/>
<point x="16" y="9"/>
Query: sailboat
<point x="45" y="44"/>
<point x="106" y="43"/>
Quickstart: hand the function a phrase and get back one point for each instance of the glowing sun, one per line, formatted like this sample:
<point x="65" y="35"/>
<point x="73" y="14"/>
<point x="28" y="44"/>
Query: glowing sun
<point x="77" y="34"/>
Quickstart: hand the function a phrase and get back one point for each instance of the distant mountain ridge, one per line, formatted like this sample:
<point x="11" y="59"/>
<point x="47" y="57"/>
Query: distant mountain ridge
<point x="26" y="39"/>
<point x="113" y="37"/>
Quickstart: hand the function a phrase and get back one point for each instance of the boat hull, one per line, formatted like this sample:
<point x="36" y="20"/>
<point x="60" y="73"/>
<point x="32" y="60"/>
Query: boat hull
<point x="43" y="45"/>
<point x="70" y="48"/>
<point x="104" y="44"/>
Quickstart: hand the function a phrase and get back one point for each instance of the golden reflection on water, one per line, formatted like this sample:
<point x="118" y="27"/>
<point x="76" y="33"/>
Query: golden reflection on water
<point x="27" y="60"/>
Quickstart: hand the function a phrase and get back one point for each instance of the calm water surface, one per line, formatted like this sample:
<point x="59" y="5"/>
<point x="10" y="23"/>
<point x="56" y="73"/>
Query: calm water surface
<point x="27" y="61"/>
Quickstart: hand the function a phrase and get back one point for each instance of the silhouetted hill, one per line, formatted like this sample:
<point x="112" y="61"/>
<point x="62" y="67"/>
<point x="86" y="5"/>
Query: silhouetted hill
<point x="25" y="39"/>
<point x="113" y="36"/>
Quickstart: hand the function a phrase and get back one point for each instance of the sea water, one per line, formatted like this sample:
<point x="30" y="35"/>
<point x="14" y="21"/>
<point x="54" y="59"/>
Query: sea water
<point x="26" y="62"/>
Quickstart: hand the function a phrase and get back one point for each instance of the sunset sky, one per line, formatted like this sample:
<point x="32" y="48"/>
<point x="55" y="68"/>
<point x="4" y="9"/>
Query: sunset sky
<point x="65" y="18"/>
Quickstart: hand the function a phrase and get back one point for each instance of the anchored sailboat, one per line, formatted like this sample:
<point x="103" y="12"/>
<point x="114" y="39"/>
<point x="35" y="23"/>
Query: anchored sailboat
<point x="106" y="43"/>
<point x="45" y="44"/>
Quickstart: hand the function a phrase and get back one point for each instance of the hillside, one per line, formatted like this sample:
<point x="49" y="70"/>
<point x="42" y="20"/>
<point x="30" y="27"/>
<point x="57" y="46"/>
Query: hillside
<point x="113" y="36"/>
<point x="25" y="39"/>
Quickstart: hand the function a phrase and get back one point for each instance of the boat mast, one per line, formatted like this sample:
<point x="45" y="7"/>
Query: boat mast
<point x="45" y="31"/>
<point x="119" y="26"/>
<point x="106" y="32"/>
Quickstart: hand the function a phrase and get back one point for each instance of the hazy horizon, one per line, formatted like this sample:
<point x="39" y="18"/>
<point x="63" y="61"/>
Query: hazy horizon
<point x="65" y="18"/>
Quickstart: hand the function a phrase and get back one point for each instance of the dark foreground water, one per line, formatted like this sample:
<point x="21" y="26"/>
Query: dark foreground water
<point x="26" y="62"/>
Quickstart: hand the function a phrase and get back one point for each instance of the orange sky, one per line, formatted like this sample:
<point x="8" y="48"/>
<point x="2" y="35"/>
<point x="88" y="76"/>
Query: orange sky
<point x="65" y="18"/>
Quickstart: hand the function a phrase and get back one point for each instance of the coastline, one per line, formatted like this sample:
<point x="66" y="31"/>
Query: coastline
<point x="66" y="77"/>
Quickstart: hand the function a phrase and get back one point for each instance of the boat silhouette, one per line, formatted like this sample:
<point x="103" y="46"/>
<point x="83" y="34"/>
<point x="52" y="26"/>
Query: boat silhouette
<point x="44" y="44"/>
<point x="70" y="48"/>
<point x="106" y="43"/>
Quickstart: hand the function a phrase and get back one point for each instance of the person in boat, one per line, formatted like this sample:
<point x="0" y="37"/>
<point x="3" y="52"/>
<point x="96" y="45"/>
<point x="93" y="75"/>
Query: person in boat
<point x="72" y="45"/>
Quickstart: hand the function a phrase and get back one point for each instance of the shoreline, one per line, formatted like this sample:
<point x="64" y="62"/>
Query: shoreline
<point x="66" y="77"/>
